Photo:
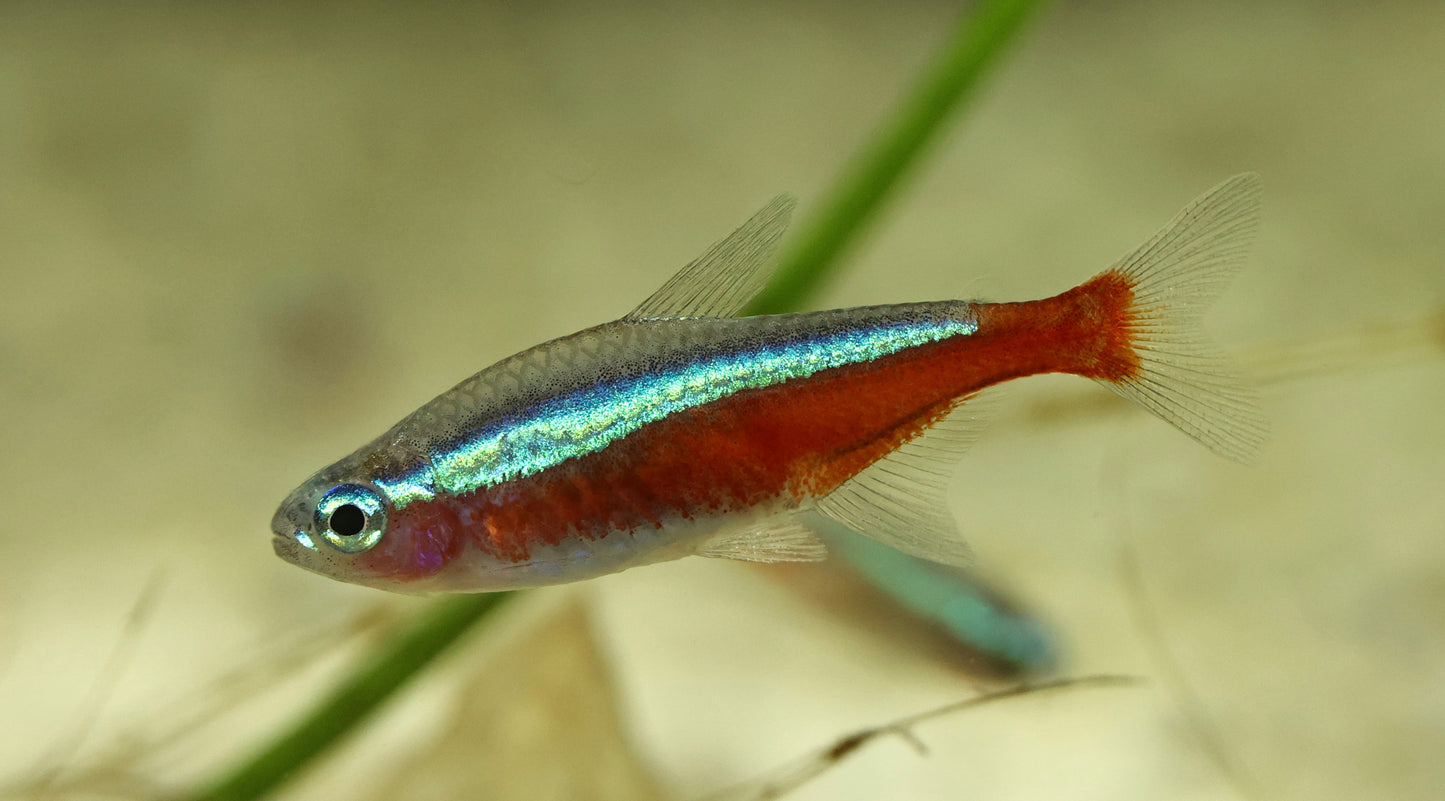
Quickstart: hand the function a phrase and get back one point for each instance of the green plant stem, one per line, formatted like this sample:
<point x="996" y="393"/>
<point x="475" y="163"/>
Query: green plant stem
<point x="362" y="692"/>
<point x="976" y="45"/>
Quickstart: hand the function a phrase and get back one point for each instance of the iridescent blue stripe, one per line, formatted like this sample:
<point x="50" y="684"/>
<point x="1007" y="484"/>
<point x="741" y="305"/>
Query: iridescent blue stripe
<point x="588" y="419"/>
<point x="416" y="484"/>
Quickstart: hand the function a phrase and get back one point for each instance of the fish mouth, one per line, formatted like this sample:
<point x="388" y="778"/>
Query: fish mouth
<point x="286" y="548"/>
<point x="289" y="545"/>
<point x="288" y="532"/>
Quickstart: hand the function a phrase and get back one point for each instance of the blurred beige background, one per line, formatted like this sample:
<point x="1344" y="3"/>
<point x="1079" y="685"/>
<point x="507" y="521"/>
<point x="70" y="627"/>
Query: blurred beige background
<point x="237" y="242"/>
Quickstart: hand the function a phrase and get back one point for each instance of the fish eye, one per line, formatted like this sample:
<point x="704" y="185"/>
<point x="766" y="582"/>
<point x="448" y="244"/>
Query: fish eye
<point x="347" y="520"/>
<point x="351" y="518"/>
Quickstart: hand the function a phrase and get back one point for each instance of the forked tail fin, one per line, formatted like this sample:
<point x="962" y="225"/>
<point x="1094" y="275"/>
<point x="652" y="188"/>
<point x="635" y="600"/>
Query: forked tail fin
<point x="1173" y="277"/>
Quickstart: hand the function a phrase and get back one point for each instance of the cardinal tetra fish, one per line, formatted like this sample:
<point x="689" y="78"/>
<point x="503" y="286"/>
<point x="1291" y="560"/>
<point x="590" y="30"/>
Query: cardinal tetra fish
<point x="682" y="429"/>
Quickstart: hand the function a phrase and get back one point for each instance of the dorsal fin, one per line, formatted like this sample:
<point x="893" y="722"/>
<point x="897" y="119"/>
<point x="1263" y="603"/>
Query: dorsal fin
<point x="901" y="500"/>
<point x="720" y="282"/>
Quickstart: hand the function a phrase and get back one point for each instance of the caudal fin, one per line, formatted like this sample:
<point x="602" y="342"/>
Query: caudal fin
<point x="1174" y="276"/>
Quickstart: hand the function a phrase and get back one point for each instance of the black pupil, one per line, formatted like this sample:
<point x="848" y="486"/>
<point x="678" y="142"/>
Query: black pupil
<point x="347" y="520"/>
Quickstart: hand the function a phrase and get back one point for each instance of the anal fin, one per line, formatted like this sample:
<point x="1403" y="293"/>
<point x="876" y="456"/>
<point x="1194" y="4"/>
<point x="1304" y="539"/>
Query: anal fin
<point x="782" y="539"/>
<point x="901" y="500"/>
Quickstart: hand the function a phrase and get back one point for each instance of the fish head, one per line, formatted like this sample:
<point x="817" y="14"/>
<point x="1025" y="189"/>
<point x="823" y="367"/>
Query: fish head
<point x="363" y="521"/>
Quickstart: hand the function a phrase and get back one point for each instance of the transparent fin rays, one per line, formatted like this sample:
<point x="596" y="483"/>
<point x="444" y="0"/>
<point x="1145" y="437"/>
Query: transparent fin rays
<point x="901" y="500"/>
<point x="1175" y="275"/>
<point x="785" y="539"/>
<point x="720" y="282"/>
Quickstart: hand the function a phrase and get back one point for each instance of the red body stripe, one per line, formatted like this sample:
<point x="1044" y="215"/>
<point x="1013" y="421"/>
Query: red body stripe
<point x="790" y="441"/>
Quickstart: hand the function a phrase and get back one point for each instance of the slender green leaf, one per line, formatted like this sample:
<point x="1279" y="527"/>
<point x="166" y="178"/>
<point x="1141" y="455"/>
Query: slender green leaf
<point x="975" y="46"/>
<point x="355" y="699"/>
